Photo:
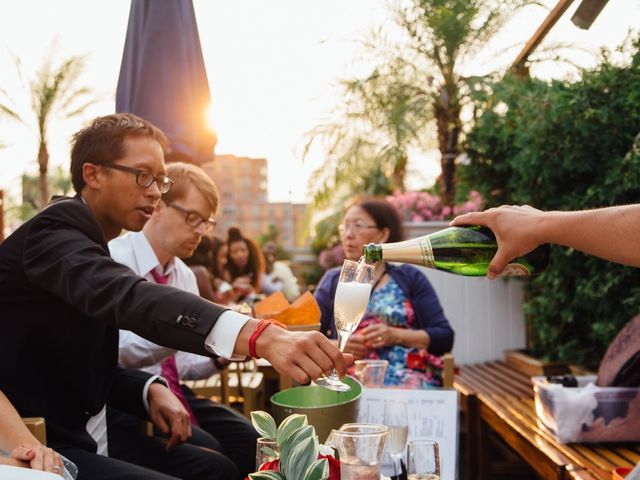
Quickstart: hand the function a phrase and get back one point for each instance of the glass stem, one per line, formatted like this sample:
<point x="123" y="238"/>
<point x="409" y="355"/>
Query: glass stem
<point x="343" y="338"/>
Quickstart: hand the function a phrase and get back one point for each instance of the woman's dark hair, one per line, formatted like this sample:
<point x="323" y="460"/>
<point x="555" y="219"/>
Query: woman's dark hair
<point x="255" y="264"/>
<point x="216" y="245"/>
<point x="384" y="215"/>
<point x="201" y="255"/>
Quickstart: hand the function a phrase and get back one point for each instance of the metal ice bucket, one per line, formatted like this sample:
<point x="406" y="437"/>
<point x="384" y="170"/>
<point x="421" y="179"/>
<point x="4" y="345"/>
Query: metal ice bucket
<point x="324" y="408"/>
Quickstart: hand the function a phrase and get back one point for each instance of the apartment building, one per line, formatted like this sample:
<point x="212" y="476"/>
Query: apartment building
<point x="242" y="182"/>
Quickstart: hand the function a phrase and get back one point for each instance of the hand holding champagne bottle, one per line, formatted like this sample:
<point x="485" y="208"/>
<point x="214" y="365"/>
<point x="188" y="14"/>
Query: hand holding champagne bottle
<point x="466" y="250"/>
<point x="611" y="233"/>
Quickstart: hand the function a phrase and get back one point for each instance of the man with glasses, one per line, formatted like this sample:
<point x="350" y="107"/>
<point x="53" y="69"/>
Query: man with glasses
<point x="63" y="300"/>
<point x="178" y="223"/>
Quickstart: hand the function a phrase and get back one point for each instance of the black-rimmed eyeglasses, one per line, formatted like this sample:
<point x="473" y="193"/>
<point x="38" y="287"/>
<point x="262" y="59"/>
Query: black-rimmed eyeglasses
<point x="194" y="219"/>
<point x="143" y="178"/>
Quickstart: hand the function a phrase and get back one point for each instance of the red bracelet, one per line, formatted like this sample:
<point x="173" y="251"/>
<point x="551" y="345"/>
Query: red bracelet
<point x="262" y="325"/>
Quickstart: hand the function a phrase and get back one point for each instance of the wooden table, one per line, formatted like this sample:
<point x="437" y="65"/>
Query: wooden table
<point x="496" y="397"/>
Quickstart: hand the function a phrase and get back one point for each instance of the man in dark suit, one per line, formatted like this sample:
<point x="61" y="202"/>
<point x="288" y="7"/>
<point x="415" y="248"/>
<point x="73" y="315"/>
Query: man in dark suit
<point x="63" y="300"/>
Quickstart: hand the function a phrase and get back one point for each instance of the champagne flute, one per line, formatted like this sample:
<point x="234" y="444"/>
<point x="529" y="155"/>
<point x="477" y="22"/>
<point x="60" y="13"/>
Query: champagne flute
<point x="423" y="460"/>
<point x="395" y="417"/>
<point x="349" y="305"/>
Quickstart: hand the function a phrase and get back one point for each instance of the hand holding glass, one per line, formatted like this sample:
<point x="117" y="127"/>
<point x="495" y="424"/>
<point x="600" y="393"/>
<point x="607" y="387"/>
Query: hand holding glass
<point x="350" y="303"/>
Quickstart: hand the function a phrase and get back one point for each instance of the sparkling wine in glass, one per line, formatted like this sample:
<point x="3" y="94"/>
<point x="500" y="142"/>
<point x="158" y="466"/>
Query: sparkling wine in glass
<point x="423" y="460"/>
<point x="349" y="305"/>
<point x="395" y="417"/>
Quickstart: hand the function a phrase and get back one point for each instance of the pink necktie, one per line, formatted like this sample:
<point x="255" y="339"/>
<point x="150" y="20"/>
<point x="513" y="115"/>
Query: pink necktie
<point x="169" y="369"/>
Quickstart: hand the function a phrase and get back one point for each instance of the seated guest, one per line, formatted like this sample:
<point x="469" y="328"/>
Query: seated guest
<point x="219" y="252"/>
<point x="19" y="448"/>
<point x="245" y="265"/>
<point x="176" y="227"/>
<point x="278" y="277"/>
<point x="404" y="321"/>
<point x="63" y="300"/>
<point x="200" y="263"/>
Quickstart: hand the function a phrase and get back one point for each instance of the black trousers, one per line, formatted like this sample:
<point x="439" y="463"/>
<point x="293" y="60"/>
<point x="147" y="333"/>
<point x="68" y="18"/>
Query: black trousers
<point x="183" y="462"/>
<point x="146" y="457"/>
<point x="234" y="435"/>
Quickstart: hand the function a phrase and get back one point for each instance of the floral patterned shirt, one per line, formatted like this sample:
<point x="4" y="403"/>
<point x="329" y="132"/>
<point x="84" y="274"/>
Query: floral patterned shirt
<point x="408" y="367"/>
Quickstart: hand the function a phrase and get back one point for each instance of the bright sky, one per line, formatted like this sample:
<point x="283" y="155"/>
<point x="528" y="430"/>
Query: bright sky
<point x="272" y="68"/>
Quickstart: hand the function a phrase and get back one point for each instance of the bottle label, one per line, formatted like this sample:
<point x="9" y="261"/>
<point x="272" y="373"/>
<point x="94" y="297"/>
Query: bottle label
<point x="426" y="251"/>
<point x="515" y="269"/>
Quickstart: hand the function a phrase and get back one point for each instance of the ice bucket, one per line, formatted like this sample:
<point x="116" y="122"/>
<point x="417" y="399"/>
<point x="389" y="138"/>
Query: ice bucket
<point x="324" y="408"/>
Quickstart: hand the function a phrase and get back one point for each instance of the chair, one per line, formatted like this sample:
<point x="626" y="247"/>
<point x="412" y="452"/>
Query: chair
<point x="448" y="370"/>
<point x="37" y="427"/>
<point x="240" y="383"/>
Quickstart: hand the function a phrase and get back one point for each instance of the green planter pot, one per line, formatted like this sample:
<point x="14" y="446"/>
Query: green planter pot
<point x="324" y="408"/>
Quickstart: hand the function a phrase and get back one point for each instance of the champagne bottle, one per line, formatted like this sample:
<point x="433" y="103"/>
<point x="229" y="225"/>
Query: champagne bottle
<point x="460" y="250"/>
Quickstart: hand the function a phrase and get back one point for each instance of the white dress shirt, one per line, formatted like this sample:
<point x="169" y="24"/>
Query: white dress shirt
<point x="134" y="250"/>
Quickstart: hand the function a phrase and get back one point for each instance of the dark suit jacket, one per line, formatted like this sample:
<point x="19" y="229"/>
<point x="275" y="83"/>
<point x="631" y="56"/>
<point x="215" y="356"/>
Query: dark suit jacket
<point x="62" y="301"/>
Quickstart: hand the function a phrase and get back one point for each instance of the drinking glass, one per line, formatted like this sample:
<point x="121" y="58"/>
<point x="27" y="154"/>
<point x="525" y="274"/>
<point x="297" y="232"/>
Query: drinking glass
<point x="360" y="447"/>
<point x="349" y="305"/>
<point x="266" y="451"/>
<point x="395" y="417"/>
<point x="423" y="460"/>
<point x="371" y="372"/>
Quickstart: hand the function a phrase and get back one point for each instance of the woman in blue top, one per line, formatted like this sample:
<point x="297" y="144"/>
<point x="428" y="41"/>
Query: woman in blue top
<point x="404" y="322"/>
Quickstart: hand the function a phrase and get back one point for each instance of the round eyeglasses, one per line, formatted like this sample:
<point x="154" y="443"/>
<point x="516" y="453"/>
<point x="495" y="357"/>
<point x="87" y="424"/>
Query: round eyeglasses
<point x="193" y="219"/>
<point x="356" y="228"/>
<point x="143" y="178"/>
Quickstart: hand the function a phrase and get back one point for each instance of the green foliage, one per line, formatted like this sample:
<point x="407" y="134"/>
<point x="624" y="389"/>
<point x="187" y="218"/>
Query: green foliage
<point x="264" y="424"/>
<point x="53" y="92"/>
<point x="566" y="146"/>
<point x="273" y="235"/>
<point x="298" y="445"/>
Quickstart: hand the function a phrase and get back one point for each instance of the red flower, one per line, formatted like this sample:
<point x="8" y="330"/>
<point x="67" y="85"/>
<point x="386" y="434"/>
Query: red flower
<point x="272" y="465"/>
<point x="334" y="467"/>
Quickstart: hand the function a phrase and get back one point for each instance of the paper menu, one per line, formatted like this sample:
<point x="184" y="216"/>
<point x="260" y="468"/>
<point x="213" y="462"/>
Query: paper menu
<point x="433" y="415"/>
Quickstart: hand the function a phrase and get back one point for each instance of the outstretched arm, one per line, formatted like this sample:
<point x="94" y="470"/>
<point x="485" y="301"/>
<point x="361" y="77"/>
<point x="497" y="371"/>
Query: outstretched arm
<point x="611" y="233"/>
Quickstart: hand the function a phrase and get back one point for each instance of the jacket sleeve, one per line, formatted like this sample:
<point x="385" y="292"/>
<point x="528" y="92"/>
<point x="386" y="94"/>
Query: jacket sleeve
<point x="429" y="314"/>
<point x="65" y="254"/>
<point x="324" y="294"/>
<point x="127" y="390"/>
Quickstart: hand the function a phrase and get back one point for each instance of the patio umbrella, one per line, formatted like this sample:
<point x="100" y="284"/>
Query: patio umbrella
<point x="163" y="77"/>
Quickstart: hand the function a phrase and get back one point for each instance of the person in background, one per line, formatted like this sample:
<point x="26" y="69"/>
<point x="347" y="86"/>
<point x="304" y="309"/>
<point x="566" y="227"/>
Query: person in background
<point x="404" y="322"/>
<point x="23" y="449"/>
<point x="245" y="265"/>
<point x="176" y="227"/>
<point x="610" y="233"/>
<point x="278" y="277"/>
<point x="219" y="254"/>
<point x="200" y="264"/>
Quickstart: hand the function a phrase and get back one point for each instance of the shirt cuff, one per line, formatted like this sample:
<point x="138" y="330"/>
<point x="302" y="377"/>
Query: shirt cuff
<point x="145" y="390"/>
<point x="224" y="334"/>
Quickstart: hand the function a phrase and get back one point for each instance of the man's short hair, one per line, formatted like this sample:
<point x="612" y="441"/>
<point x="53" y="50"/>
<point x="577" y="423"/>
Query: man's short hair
<point x="186" y="176"/>
<point x="103" y="141"/>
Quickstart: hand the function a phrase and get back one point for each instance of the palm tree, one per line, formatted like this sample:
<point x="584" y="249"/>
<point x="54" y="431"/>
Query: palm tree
<point x="443" y="36"/>
<point x="416" y="90"/>
<point x="53" y="91"/>
<point x="367" y="144"/>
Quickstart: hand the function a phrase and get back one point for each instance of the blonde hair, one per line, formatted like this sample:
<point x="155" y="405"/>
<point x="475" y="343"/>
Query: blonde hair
<point x="187" y="175"/>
